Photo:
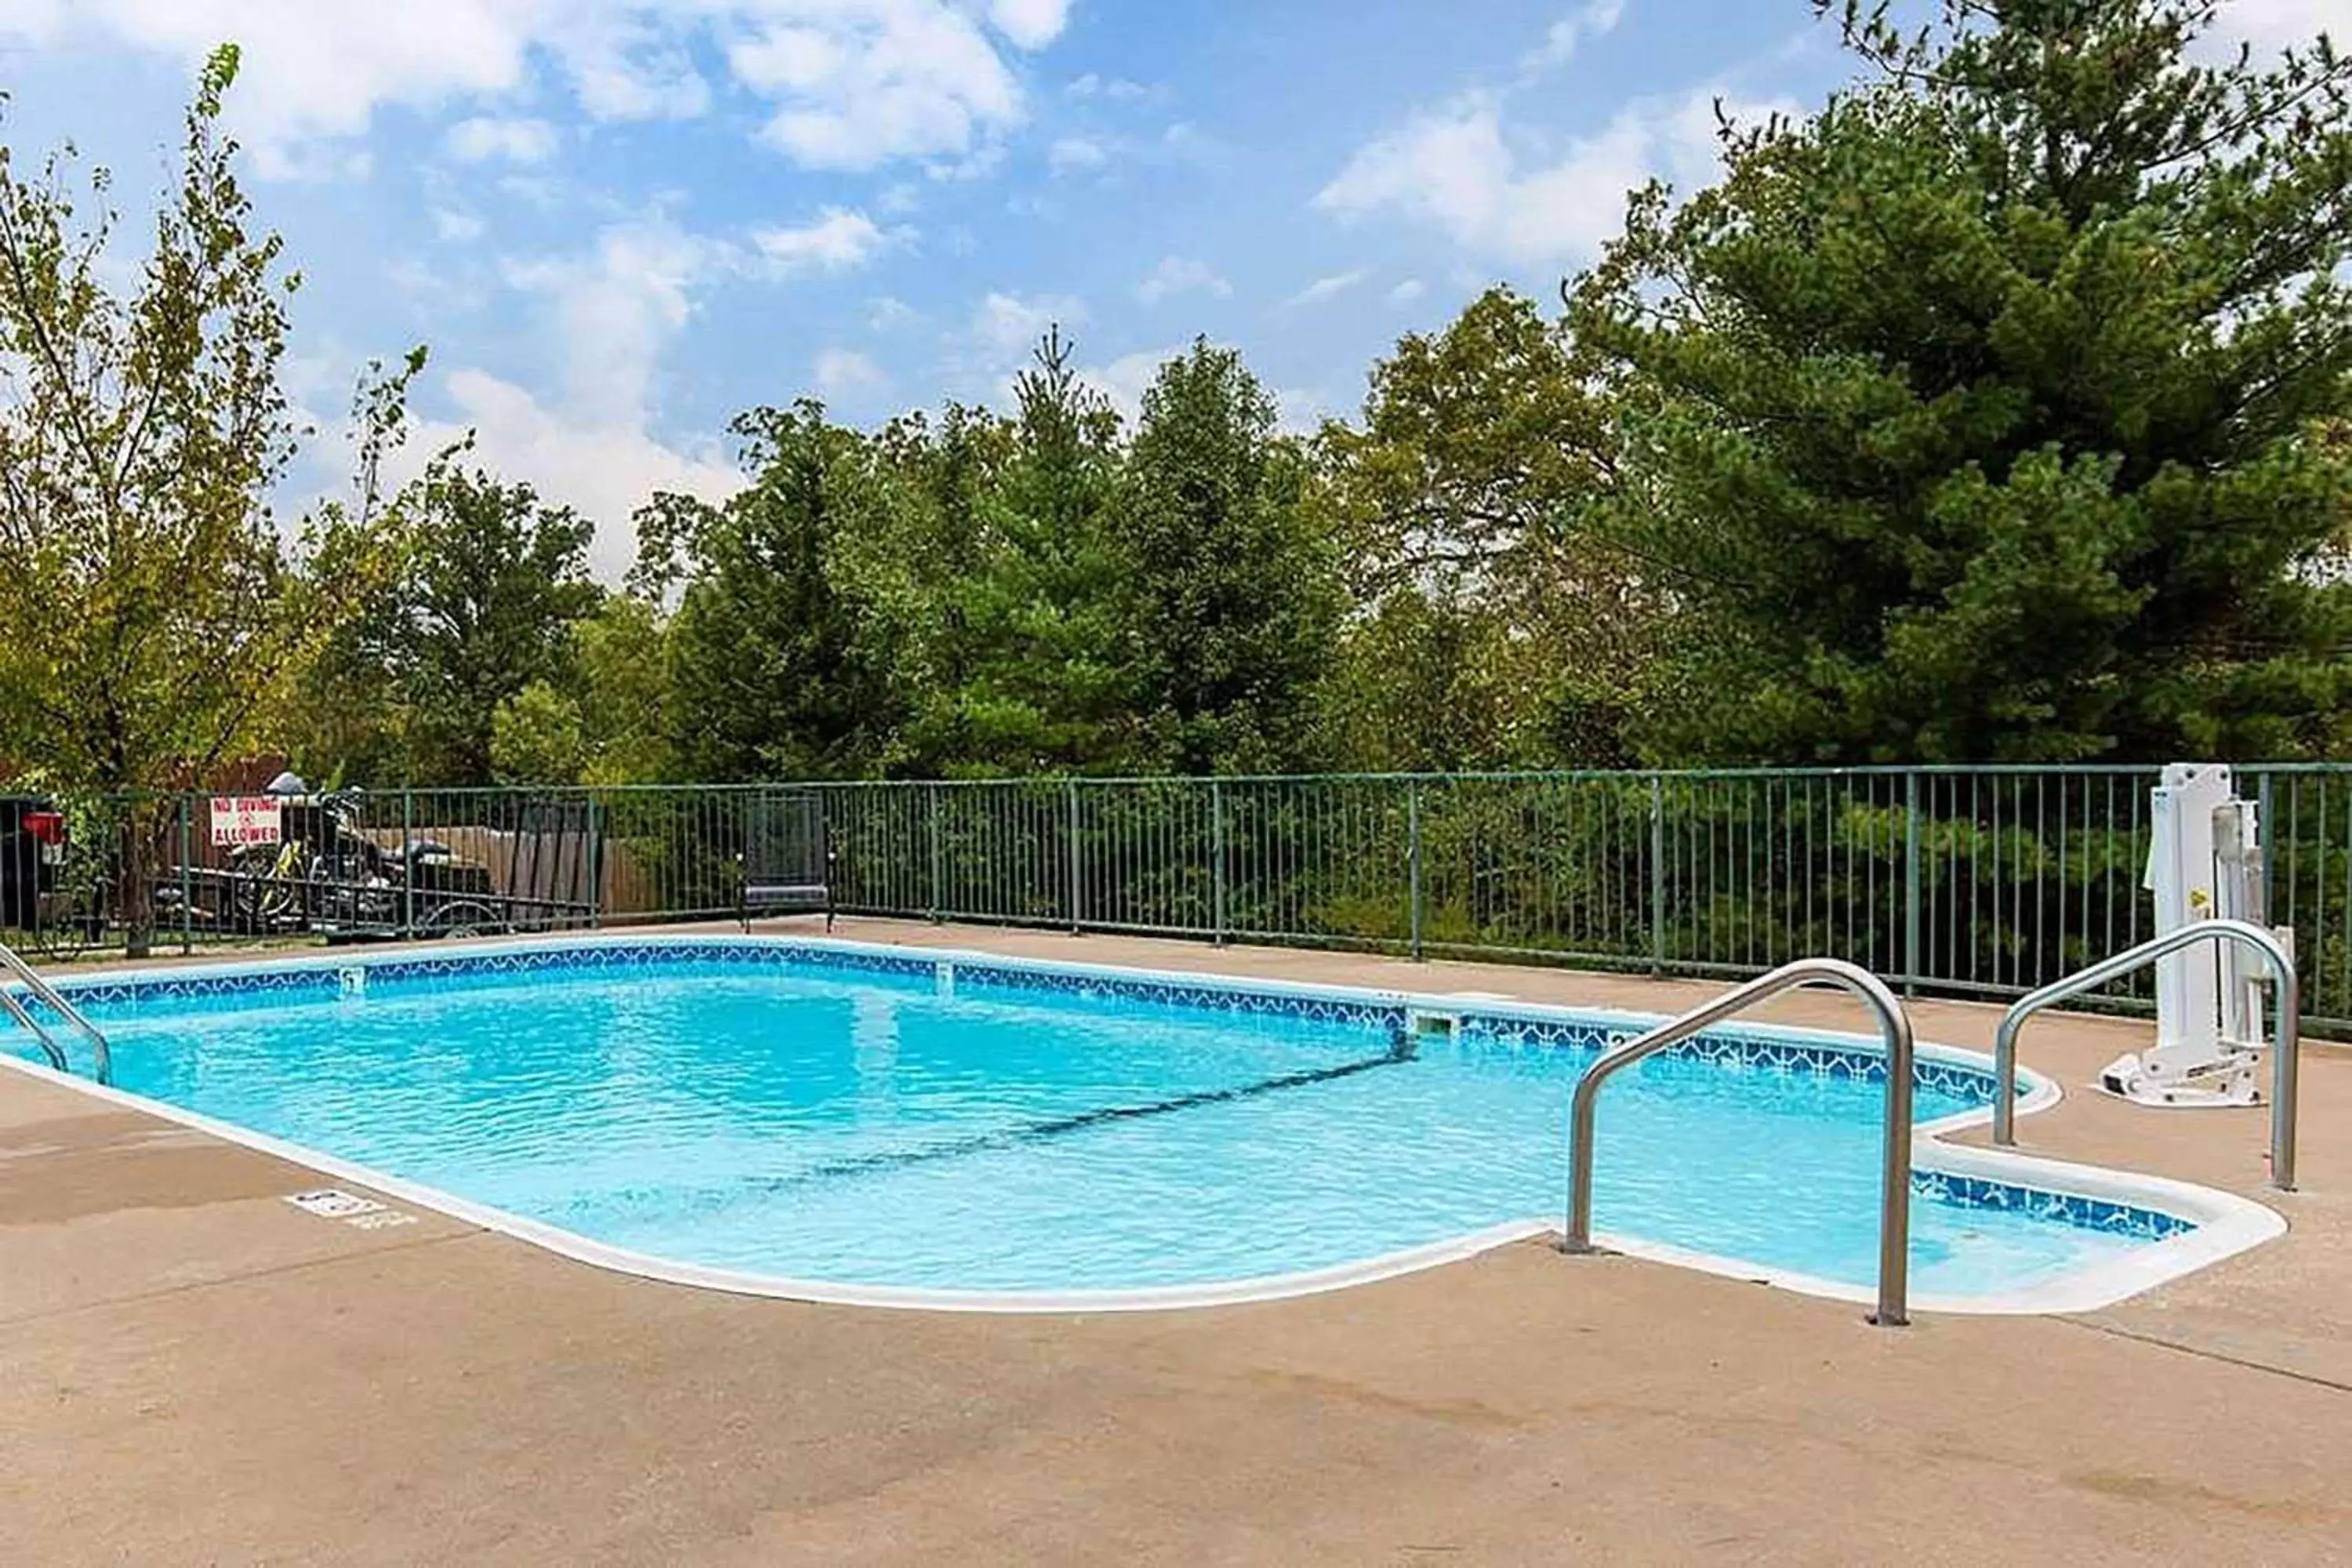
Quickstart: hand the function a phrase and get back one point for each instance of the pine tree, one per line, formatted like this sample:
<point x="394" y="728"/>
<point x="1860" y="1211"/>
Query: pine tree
<point x="1986" y="413"/>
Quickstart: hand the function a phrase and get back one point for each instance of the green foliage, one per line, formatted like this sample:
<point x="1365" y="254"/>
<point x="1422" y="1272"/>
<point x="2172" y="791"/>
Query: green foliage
<point x="923" y="566"/>
<point x="606" y="720"/>
<point x="1496" y="624"/>
<point x="1042" y="685"/>
<point x="994" y="569"/>
<point x="1420" y="684"/>
<point x="987" y="597"/>
<point x="1997" y="411"/>
<point x="539" y="736"/>
<point x="771" y="662"/>
<point x="1984" y="415"/>
<point x="152" y="606"/>
<point x="1231" y="592"/>
<point x="1481" y="450"/>
<point x="480" y="610"/>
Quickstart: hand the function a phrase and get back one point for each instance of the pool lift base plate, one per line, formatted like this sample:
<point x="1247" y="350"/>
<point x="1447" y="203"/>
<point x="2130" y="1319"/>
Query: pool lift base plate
<point x="2227" y="1081"/>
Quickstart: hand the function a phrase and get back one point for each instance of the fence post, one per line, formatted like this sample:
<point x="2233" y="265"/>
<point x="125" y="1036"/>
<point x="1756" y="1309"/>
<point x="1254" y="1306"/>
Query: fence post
<point x="1217" y="887"/>
<point x="1911" y="884"/>
<point x="931" y="794"/>
<point x="2263" y="820"/>
<point x="1071" y="787"/>
<point x="187" y="891"/>
<point x="407" y="863"/>
<point x="1657" y="876"/>
<point x="596" y="868"/>
<point x="1412" y="858"/>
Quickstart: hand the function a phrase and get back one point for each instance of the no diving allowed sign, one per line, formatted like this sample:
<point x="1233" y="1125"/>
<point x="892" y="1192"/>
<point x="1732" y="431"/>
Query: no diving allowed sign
<point x="241" y="819"/>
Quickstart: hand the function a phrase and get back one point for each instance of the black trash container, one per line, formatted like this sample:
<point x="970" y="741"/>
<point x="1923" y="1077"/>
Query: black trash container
<point x="32" y="847"/>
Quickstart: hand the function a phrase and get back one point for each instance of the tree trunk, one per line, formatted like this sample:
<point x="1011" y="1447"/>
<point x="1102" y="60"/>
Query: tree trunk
<point x="135" y="887"/>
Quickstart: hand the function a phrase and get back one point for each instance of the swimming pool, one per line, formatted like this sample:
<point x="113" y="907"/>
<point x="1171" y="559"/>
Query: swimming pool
<point x="842" y="1121"/>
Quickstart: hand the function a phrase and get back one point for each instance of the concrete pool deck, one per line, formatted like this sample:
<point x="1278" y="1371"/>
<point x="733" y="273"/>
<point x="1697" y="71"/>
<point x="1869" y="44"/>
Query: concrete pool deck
<point x="193" y="1370"/>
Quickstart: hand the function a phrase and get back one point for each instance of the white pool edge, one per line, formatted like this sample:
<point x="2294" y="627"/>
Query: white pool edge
<point x="2226" y="1223"/>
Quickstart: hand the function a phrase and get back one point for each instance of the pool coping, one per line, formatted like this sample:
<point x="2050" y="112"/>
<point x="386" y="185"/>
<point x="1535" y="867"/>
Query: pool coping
<point x="2224" y="1223"/>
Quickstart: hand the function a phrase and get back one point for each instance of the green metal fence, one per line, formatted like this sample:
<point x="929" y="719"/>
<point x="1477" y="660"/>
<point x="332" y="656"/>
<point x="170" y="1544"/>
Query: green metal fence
<point x="1972" y="881"/>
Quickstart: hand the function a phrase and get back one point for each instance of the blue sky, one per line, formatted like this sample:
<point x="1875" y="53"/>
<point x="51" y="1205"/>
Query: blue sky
<point x="617" y="222"/>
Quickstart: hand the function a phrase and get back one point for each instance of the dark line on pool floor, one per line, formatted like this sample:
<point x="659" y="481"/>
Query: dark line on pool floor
<point x="1401" y="1049"/>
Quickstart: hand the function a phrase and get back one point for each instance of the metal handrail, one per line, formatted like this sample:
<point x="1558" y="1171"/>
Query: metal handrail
<point x="1894" y="1186"/>
<point x="50" y="1047"/>
<point x="2286" y="1046"/>
<point x="101" y="1054"/>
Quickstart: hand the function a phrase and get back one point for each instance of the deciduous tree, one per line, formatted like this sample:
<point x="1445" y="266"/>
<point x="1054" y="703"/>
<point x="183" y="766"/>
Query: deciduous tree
<point x="150" y="603"/>
<point x="1496" y="623"/>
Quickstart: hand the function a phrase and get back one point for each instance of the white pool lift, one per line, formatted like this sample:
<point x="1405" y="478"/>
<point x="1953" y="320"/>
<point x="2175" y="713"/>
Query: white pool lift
<point x="2205" y="862"/>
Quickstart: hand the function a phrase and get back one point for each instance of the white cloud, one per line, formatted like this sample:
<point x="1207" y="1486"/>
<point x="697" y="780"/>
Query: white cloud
<point x="1180" y="275"/>
<point x="2274" y="22"/>
<point x="977" y="165"/>
<point x="628" y="60"/>
<point x="484" y="137"/>
<point x="1454" y="169"/>
<point x="1299" y="411"/>
<point x="536" y="190"/>
<point x="456" y="227"/>
<point x="850" y="83"/>
<point x="836" y="240"/>
<point x="1187" y="140"/>
<point x="1116" y="89"/>
<point x="1327" y="289"/>
<point x="606" y="469"/>
<point x="842" y="373"/>
<point x="609" y="316"/>
<point x="1032" y="23"/>
<point x="422" y="284"/>
<point x="886" y="314"/>
<point x="1406" y="293"/>
<point x="862" y="82"/>
<point x="310" y="69"/>
<point x="2287" y="22"/>
<point x="1010" y="325"/>
<point x="1125" y="379"/>
<point x="1591" y="20"/>
<point x="1075" y="155"/>
<point x="614" y="312"/>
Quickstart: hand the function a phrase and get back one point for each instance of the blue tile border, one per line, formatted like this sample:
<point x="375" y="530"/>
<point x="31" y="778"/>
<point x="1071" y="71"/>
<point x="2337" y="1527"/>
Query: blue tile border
<point x="1383" y="1015"/>
<point x="646" y="955"/>
<point x="1739" y="1052"/>
<point x="2058" y="1208"/>
<point x="176" y="984"/>
<point x="327" y="978"/>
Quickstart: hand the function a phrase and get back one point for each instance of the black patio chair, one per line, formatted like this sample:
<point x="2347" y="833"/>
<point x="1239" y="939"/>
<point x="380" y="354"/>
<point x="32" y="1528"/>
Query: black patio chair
<point x="787" y="856"/>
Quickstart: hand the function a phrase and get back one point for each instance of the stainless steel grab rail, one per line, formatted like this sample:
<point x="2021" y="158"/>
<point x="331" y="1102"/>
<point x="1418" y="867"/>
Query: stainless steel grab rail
<point x="101" y="1054"/>
<point x="1894" y="1172"/>
<point x="2286" y="1039"/>
<point x="50" y="1047"/>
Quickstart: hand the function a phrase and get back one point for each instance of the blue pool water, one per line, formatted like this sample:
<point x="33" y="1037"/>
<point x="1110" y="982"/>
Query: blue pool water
<point x="825" y="1123"/>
